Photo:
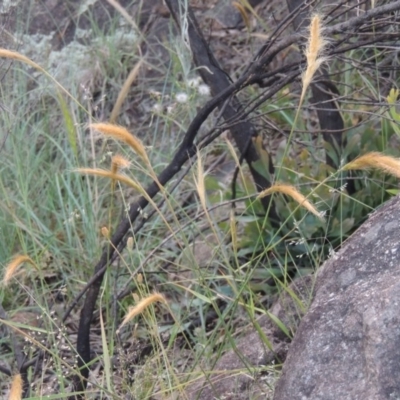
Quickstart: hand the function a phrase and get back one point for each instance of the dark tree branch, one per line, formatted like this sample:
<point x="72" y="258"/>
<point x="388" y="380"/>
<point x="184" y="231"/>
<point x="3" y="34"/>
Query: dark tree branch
<point x="218" y="80"/>
<point x="352" y="25"/>
<point x="5" y="370"/>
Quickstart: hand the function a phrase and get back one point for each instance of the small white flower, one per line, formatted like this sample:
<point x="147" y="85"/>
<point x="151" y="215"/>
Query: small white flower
<point x="181" y="97"/>
<point x="204" y="89"/>
<point x="157" y="108"/>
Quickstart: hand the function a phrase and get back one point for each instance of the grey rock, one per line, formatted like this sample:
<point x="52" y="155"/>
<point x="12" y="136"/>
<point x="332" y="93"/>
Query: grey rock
<point x="348" y="344"/>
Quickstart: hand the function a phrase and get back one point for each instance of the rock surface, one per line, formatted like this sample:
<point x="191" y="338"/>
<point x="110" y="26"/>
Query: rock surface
<point x="347" y="346"/>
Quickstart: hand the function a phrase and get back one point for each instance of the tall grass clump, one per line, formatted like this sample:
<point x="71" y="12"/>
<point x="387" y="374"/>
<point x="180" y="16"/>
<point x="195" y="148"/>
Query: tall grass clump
<point x="194" y="268"/>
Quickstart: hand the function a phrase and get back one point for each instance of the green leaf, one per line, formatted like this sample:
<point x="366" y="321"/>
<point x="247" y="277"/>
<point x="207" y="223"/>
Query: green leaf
<point x="346" y="225"/>
<point x="262" y="165"/>
<point x="69" y="123"/>
<point x="279" y="323"/>
<point x="392" y="100"/>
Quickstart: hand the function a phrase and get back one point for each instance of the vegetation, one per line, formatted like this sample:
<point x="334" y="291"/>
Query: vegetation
<point x="139" y="238"/>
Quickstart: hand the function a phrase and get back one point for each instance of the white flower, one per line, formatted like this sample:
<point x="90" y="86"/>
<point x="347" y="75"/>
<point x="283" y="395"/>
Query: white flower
<point x="181" y="97"/>
<point x="204" y="89"/>
<point x="157" y="108"/>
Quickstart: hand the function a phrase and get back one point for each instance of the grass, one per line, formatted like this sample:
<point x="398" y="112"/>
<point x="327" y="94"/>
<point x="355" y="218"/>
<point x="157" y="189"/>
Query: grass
<point x="201" y="257"/>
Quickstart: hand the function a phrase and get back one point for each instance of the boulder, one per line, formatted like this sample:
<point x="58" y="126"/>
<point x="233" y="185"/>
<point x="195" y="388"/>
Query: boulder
<point x="347" y="346"/>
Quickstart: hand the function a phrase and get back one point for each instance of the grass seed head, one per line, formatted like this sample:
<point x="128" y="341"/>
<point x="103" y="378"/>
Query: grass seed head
<point x="124" y="91"/>
<point x="129" y="243"/>
<point x="13" y="265"/>
<point x="293" y="193"/>
<point x="200" y="183"/>
<point x="108" y="174"/>
<point x="123" y="135"/>
<point x="105" y="232"/>
<point x="14" y="55"/>
<point x="119" y="162"/>
<point x="314" y="52"/>
<point x="141" y="306"/>
<point x="376" y="160"/>
<point x="16" y="388"/>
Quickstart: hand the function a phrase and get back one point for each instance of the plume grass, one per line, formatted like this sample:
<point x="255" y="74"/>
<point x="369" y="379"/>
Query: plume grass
<point x="293" y="193"/>
<point x="375" y="160"/>
<point x="141" y="306"/>
<point x="123" y="135"/>
<point x="200" y="184"/>
<point x="105" y="232"/>
<point x="108" y="174"/>
<point x="124" y="91"/>
<point x="16" y="388"/>
<point x="314" y="55"/>
<point x="118" y="162"/>
<point x="14" y="55"/>
<point x="313" y="52"/>
<point x="124" y="179"/>
<point x="13" y="265"/>
<point x="130" y="243"/>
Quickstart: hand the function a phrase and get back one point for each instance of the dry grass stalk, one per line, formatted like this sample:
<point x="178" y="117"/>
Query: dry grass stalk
<point x="314" y="50"/>
<point x="233" y="231"/>
<point x="16" y="388"/>
<point x="243" y="13"/>
<point x="141" y="306"/>
<point x="14" y="55"/>
<point x="108" y="174"/>
<point x="123" y="135"/>
<point x="200" y="184"/>
<point x="125" y="14"/>
<point x="293" y="193"/>
<point x="376" y="160"/>
<point x="124" y="91"/>
<point x="13" y="265"/>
